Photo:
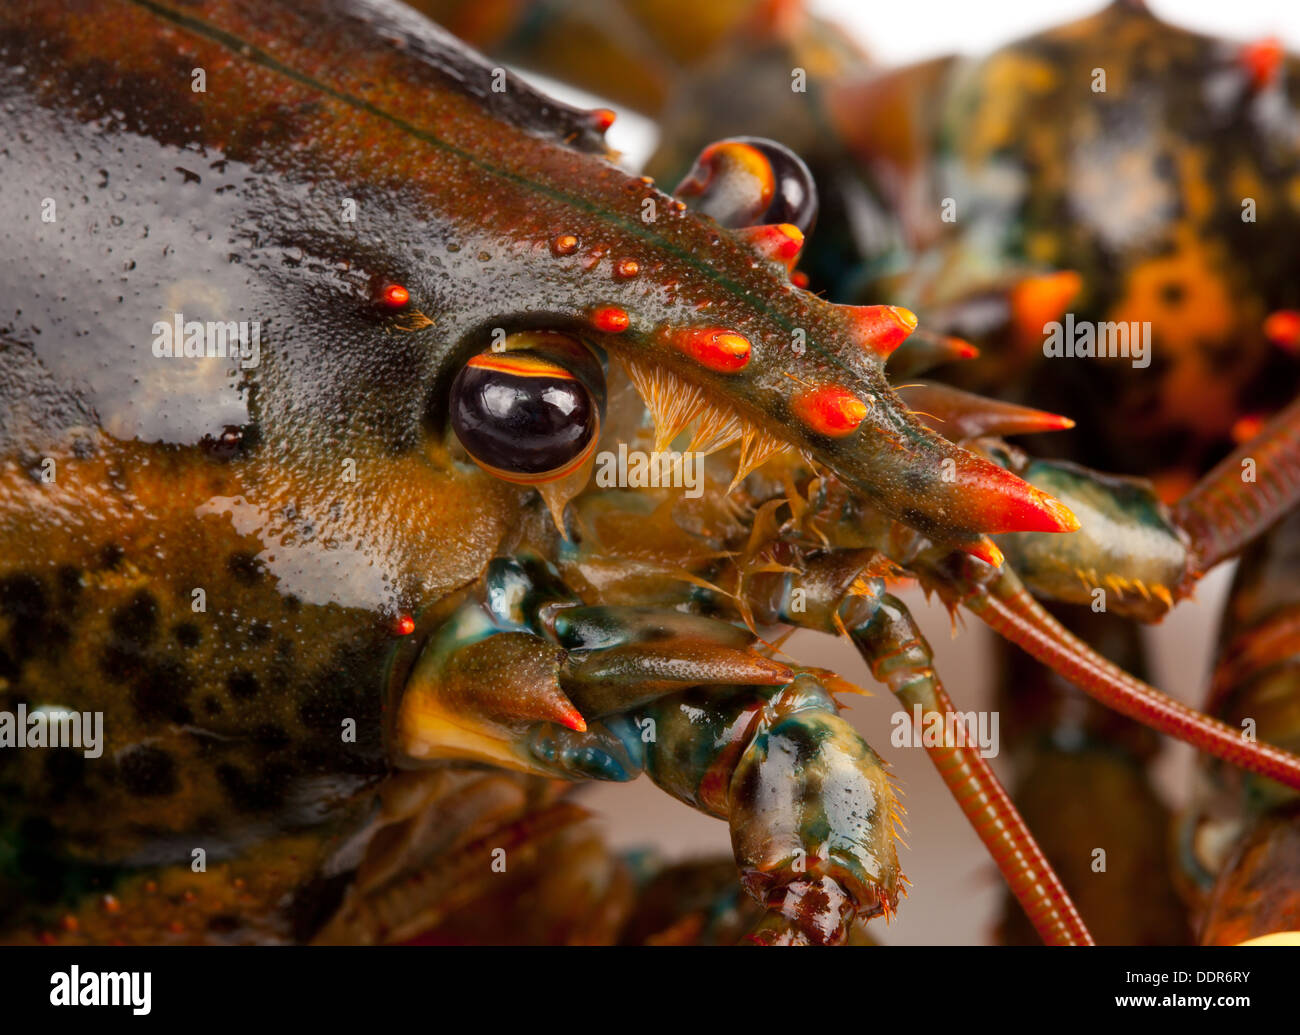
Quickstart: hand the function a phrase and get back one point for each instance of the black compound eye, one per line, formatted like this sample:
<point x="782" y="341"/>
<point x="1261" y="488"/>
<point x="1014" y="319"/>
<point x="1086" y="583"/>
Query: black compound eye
<point x="529" y="415"/>
<point x="751" y="181"/>
<point x="794" y="194"/>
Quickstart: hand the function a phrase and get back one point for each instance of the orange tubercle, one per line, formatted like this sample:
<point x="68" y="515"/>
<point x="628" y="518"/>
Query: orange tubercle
<point x="395" y="295"/>
<point x="405" y="625"/>
<point x="564" y="244"/>
<point x="830" y="410"/>
<point x="610" y="319"/>
<point x="716" y="348"/>
<point x="882" y="328"/>
<point x="790" y="240"/>
<point x="626" y="268"/>
<point x="602" y="118"/>
<point x="1247" y="427"/>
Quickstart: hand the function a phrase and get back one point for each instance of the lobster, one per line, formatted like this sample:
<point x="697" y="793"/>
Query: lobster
<point x="325" y="540"/>
<point x="1119" y="172"/>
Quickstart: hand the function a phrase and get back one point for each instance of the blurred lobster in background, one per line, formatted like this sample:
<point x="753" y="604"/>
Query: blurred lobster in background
<point x="428" y="605"/>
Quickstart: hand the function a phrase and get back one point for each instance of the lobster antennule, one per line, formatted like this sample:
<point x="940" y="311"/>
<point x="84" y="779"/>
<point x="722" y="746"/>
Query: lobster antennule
<point x="1009" y="610"/>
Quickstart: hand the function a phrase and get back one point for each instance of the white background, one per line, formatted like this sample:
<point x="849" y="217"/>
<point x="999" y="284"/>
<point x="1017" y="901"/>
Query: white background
<point x="901" y="31"/>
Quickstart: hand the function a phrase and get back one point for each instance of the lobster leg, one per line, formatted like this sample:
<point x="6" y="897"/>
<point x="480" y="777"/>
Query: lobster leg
<point x="900" y="657"/>
<point x="1082" y="780"/>
<point x="810" y="805"/>
<point x="1226" y="510"/>
<point x="886" y="635"/>
<point x="1128" y="559"/>
<point x="1240" y="840"/>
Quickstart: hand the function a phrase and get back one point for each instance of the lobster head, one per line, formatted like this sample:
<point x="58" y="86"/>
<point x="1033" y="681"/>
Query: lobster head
<point x="519" y="246"/>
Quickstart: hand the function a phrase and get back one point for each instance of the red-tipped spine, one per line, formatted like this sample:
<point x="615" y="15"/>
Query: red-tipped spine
<point x="779" y="242"/>
<point x="881" y="328"/>
<point x="1001" y="502"/>
<point x="830" y="410"/>
<point x="986" y="550"/>
<point x="717" y="348"/>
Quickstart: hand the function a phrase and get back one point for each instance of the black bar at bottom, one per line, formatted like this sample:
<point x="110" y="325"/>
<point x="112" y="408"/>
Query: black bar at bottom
<point x="436" y="986"/>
